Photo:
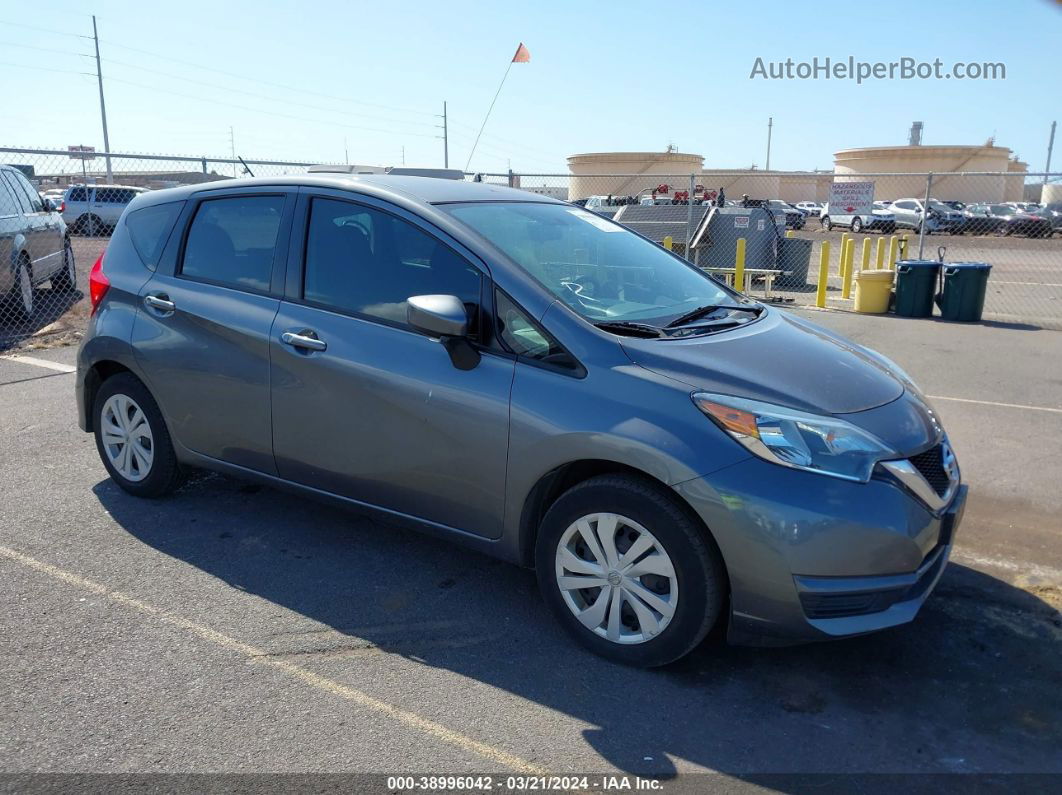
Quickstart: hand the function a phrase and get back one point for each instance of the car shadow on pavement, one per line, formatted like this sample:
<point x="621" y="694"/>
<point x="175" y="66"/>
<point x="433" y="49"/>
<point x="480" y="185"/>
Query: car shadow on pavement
<point x="49" y="306"/>
<point x="970" y="686"/>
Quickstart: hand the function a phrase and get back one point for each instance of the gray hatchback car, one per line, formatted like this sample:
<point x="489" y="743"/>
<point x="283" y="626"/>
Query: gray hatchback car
<point x="532" y="380"/>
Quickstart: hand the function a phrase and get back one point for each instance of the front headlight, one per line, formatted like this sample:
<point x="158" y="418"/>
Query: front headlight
<point x="796" y="439"/>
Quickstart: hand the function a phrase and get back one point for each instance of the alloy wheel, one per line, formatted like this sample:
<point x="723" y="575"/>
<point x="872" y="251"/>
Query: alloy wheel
<point x="616" y="578"/>
<point x="127" y="437"/>
<point x="25" y="289"/>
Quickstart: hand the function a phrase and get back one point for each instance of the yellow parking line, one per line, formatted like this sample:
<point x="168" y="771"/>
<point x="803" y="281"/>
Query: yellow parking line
<point x="993" y="403"/>
<point x="259" y="656"/>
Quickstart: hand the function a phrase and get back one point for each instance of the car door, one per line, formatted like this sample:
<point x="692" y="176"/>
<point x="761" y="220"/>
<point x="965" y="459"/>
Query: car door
<point x="10" y="229"/>
<point x="201" y="334"/>
<point x="43" y="241"/>
<point x="369" y="408"/>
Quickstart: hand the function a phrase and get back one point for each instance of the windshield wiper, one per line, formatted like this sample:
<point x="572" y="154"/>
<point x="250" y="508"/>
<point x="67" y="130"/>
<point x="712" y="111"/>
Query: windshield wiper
<point x="631" y="329"/>
<point x="701" y="311"/>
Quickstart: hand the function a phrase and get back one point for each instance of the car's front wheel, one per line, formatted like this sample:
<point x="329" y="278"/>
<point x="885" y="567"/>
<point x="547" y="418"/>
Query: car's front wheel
<point x="824" y="222"/>
<point x="857" y="225"/>
<point x="628" y="571"/>
<point x="132" y="438"/>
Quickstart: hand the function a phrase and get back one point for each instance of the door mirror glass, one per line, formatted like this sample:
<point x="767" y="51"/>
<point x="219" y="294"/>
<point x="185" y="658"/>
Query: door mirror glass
<point x="437" y="315"/>
<point x="49" y="207"/>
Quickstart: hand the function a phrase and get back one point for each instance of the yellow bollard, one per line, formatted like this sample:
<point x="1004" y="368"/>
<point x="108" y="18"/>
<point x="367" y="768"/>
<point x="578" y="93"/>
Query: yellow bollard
<point x="893" y="248"/>
<point x="880" y="254"/>
<point x="840" y="254"/>
<point x="846" y="278"/>
<point x="903" y="246"/>
<point x="739" y="266"/>
<point x="824" y="274"/>
<point x="668" y="242"/>
<point x="866" y="254"/>
<point x="790" y="233"/>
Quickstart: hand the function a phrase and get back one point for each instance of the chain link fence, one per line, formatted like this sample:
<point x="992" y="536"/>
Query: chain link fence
<point x="1009" y="220"/>
<point x="995" y="218"/>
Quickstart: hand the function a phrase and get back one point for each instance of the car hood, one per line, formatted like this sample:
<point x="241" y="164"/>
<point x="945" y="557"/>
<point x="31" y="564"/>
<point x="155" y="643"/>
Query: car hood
<point x="778" y="358"/>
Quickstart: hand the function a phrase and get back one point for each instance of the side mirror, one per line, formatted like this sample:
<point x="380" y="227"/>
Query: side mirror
<point x="445" y="317"/>
<point x="49" y="206"/>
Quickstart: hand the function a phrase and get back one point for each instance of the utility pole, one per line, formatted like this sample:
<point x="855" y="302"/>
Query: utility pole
<point x="232" y="146"/>
<point x="103" y="105"/>
<point x="445" y="138"/>
<point x="1050" y="146"/>
<point x="346" y="152"/>
<point x="403" y="154"/>
<point x="770" y="124"/>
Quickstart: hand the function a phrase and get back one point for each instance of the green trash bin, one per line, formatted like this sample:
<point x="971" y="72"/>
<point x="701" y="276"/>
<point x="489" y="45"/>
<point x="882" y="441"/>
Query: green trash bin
<point x="794" y="255"/>
<point x="916" y="283"/>
<point x="963" y="297"/>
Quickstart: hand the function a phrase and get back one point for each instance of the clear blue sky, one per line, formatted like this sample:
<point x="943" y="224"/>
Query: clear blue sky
<point x="294" y="79"/>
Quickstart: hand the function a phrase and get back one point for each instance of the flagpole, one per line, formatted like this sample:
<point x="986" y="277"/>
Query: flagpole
<point x="482" y="126"/>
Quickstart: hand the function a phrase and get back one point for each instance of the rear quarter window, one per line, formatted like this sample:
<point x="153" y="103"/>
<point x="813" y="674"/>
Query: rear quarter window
<point x="149" y="229"/>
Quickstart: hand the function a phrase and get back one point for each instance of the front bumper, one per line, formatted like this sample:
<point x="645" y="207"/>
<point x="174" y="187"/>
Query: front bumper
<point x="812" y="558"/>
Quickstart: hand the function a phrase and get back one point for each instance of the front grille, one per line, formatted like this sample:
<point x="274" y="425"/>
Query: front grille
<point x="931" y="466"/>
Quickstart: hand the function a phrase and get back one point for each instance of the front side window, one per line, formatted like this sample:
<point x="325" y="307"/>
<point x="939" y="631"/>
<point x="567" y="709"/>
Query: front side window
<point x="232" y="241"/>
<point x="32" y="196"/>
<point x="598" y="268"/>
<point x="368" y="262"/>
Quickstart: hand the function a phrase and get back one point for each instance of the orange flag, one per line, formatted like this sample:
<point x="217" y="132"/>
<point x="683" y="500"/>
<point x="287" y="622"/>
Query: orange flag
<point x="522" y="54"/>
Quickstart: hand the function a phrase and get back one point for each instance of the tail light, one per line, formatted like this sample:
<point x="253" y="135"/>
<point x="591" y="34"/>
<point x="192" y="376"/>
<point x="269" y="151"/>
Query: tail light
<point x="98" y="284"/>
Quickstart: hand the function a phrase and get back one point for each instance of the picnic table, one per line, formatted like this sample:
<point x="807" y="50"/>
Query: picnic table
<point x="768" y="274"/>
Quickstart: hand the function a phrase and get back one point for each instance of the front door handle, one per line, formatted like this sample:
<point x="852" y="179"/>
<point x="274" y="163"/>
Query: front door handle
<point x="160" y="303"/>
<point x="303" y="341"/>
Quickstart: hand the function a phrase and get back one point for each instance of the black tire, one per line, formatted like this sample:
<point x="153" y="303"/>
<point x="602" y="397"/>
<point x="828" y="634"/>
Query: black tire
<point x="698" y="565"/>
<point x="65" y="281"/>
<point x="165" y="473"/>
<point x="857" y="225"/>
<point x="89" y="225"/>
<point x="824" y="222"/>
<point x="24" y="305"/>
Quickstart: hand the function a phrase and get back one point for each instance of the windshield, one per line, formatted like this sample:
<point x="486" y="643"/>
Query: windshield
<point x="597" y="267"/>
<point x="1002" y="209"/>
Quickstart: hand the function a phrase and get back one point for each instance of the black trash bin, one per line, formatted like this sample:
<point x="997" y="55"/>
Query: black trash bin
<point x="794" y="254"/>
<point x="963" y="297"/>
<point x="916" y="283"/>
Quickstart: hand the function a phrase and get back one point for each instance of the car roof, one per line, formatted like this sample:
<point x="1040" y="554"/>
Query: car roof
<point x="404" y="189"/>
<point x="105" y="185"/>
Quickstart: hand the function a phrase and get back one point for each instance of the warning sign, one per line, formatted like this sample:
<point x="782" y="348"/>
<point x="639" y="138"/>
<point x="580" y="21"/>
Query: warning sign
<point x="741" y="222"/>
<point x="851" y="198"/>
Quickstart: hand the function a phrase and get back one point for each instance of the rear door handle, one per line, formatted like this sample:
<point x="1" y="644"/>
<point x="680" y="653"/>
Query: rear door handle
<point x="303" y="341"/>
<point x="159" y="303"/>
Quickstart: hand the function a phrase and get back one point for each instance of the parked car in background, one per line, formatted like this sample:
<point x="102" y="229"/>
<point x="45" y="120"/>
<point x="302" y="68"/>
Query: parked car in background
<point x="794" y="218"/>
<point x="34" y="245"/>
<point x="810" y="209"/>
<point x="879" y="220"/>
<point x="1023" y="206"/>
<point x="95" y="209"/>
<point x="55" y="196"/>
<point x="1053" y="213"/>
<point x="1005" y="219"/>
<point x="581" y="404"/>
<point x="937" y="217"/>
<point x="955" y="204"/>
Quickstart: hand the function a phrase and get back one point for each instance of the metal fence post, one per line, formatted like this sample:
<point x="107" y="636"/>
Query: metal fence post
<point x="925" y="216"/>
<point x="204" y="166"/>
<point x="689" y="218"/>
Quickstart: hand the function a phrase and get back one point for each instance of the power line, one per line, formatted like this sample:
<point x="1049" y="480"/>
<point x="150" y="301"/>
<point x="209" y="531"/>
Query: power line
<point x="44" y="30"/>
<point x="263" y="96"/>
<point x="157" y="90"/>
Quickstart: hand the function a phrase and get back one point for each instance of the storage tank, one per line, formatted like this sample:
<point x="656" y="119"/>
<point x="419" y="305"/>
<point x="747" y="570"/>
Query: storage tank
<point x="851" y="164"/>
<point x="601" y="173"/>
<point x="1051" y="193"/>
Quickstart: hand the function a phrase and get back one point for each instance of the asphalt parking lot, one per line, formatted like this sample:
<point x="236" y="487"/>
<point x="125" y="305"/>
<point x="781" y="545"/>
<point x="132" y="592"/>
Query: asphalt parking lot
<point x="236" y="628"/>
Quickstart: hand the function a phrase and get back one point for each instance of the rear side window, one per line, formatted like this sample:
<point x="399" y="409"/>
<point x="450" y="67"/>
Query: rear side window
<point x="20" y="195"/>
<point x="8" y="205"/>
<point x="232" y="241"/>
<point x="77" y="195"/>
<point x="150" y="228"/>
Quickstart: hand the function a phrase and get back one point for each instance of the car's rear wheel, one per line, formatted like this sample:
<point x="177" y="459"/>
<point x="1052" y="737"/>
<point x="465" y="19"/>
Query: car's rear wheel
<point x="824" y="222"/>
<point x="21" y="295"/>
<point x="132" y="438"/>
<point x="65" y="280"/>
<point x="857" y="225"/>
<point x="88" y="224"/>
<point x="628" y="571"/>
